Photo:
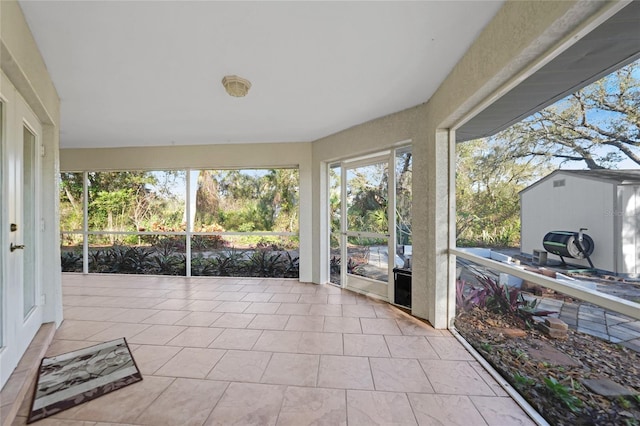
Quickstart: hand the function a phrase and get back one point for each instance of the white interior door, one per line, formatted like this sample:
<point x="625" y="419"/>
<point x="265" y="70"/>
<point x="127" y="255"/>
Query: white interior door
<point x="21" y="285"/>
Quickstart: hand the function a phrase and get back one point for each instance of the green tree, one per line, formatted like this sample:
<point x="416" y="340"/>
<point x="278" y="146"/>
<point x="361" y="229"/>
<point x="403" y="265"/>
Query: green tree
<point x="488" y="180"/>
<point x="598" y="126"/>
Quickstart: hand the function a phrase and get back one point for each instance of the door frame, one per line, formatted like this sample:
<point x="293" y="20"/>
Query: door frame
<point x="355" y="282"/>
<point x="18" y="329"/>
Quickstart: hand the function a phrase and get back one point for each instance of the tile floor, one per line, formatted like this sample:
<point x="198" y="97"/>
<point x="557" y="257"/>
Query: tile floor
<point x="229" y="351"/>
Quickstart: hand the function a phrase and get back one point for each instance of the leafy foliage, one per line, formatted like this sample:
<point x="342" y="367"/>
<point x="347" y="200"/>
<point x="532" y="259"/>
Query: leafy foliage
<point x="596" y="127"/>
<point x="167" y="258"/>
<point x="563" y="393"/>
<point x="487" y="293"/>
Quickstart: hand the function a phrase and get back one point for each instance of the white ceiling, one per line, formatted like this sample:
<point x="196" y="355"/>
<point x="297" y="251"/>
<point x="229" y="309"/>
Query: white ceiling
<point x="143" y="73"/>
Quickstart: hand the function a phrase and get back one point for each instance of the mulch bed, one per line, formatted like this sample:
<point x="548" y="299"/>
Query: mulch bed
<point x="550" y="373"/>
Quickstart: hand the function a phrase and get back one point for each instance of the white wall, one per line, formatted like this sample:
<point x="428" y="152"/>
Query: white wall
<point x="580" y="203"/>
<point x="627" y="215"/>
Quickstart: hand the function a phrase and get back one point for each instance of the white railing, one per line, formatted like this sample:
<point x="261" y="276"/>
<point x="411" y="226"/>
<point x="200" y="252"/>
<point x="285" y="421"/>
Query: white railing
<point x="612" y="303"/>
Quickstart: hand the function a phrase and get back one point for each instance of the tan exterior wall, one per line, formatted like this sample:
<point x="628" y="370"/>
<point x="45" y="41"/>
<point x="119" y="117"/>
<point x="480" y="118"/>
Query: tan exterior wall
<point x="21" y="62"/>
<point x="521" y="36"/>
<point x="194" y="156"/>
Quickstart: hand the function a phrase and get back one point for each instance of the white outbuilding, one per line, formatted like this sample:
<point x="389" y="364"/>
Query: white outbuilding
<point x="605" y="202"/>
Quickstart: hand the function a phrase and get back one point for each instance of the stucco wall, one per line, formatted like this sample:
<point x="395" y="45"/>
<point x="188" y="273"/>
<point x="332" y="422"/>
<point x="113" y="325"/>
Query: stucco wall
<point x="22" y="63"/>
<point x="522" y="35"/>
<point x="580" y="203"/>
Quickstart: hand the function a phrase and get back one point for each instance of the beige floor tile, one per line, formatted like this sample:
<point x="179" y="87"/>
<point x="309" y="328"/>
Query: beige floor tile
<point x="326" y="310"/>
<point x="358" y="311"/>
<point x="173" y="304"/>
<point x="294" y="309"/>
<point x="399" y="375"/>
<point x="157" y="334"/>
<point x="136" y="302"/>
<point x="365" y="345"/>
<point x="202" y="305"/>
<point x="329" y="288"/>
<point x="186" y="402"/>
<point x="199" y="319"/>
<point x="234" y="307"/>
<point x="489" y="380"/>
<point x="303" y="288"/>
<point x="449" y="348"/>
<point x="451" y="410"/>
<point x="227" y="296"/>
<point x="342" y="324"/>
<point x="389" y="311"/>
<point x="320" y="343"/>
<point x="341" y="299"/>
<point x="292" y="369"/>
<point x="292" y="376"/>
<point x="410" y="347"/>
<point x="91" y="313"/>
<point x="278" y="289"/>
<point x="455" y="378"/>
<point x="313" y="298"/>
<point x="498" y="411"/>
<point x="236" y="338"/>
<point x="248" y="404"/>
<point x="284" y="298"/>
<point x="308" y="406"/>
<point x="120" y="329"/>
<point x="229" y="287"/>
<point x="231" y="320"/>
<point x="278" y="341"/>
<point x="150" y="358"/>
<point x="134" y="315"/>
<point x="262" y="308"/>
<point x="379" y="326"/>
<point x="254" y="296"/>
<point x="130" y="401"/>
<point x="241" y="366"/>
<point x="414" y="327"/>
<point x="204" y="295"/>
<point x="166" y="317"/>
<point x="197" y="337"/>
<point x="80" y="330"/>
<point x="269" y="322"/>
<point x="195" y="363"/>
<point x="58" y="347"/>
<point x="305" y="323"/>
<point x="368" y="408"/>
<point x="344" y="372"/>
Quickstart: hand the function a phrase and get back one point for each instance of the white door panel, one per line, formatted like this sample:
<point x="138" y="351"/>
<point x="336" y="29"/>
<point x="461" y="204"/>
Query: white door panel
<point x="21" y="283"/>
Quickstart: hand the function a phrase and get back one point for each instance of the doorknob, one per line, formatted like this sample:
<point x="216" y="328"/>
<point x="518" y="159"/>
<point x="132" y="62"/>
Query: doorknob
<point x="14" y="247"/>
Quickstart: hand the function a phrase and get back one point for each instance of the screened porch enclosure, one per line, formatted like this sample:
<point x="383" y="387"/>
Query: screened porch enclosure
<point x="193" y="222"/>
